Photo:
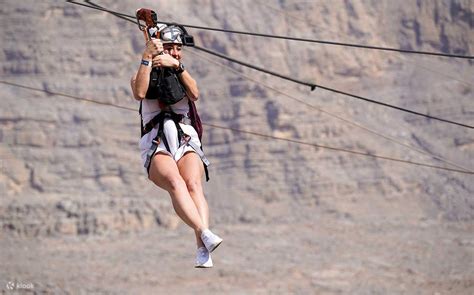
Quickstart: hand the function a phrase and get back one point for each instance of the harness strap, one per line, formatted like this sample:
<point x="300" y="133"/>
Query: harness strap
<point x="149" y="155"/>
<point x="204" y="160"/>
<point x="160" y="118"/>
<point x="161" y="134"/>
<point x="177" y="118"/>
<point x="142" y="132"/>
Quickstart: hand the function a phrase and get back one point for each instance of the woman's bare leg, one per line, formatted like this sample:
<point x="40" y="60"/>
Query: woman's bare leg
<point x="191" y="169"/>
<point x="165" y="174"/>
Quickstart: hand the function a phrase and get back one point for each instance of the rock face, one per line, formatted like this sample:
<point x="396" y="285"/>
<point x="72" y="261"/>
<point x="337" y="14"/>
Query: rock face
<point x="71" y="169"/>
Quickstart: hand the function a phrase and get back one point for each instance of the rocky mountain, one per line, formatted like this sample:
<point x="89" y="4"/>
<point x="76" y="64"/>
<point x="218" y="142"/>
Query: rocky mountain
<point x="76" y="205"/>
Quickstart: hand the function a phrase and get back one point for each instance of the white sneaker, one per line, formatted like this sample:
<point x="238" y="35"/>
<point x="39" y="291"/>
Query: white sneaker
<point x="210" y="240"/>
<point x="203" y="258"/>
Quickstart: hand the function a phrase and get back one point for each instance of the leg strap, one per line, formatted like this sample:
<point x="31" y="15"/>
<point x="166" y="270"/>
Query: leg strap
<point x="183" y="138"/>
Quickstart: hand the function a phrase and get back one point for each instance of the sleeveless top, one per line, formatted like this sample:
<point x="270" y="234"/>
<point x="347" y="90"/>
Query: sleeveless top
<point x="150" y="108"/>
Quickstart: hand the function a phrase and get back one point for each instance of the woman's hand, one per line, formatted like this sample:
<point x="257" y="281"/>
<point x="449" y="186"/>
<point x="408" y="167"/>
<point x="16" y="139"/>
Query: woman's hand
<point x="165" y="60"/>
<point x="153" y="48"/>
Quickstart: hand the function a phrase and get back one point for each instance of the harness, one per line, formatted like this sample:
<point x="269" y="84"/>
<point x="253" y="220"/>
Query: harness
<point x="166" y="87"/>
<point x="183" y="138"/>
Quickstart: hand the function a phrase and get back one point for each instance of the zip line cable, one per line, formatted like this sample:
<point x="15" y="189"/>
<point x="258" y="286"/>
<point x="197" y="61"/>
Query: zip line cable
<point x="120" y="15"/>
<point x="336" y="90"/>
<point x="421" y="66"/>
<point x="308" y="22"/>
<point x="337" y="149"/>
<point x="124" y="17"/>
<point x="313" y="86"/>
<point x="283" y="37"/>
<point x="212" y="52"/>
<point x="370" y="155"/>
<point x="66" y="95"/>
<point x="439" y="158"/>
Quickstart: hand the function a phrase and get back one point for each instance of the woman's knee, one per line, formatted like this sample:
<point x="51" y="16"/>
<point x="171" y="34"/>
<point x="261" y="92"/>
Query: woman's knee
<point x="193" y="185"/>
<point x="175" y="182"/>
<point x="170" y="183"/>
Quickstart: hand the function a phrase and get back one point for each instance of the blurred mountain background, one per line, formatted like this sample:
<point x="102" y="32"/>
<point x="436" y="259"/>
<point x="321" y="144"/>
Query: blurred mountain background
<point x="78" y="214"/>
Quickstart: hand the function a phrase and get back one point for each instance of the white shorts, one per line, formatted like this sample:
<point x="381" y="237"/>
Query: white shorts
<point x="171" y="133"/>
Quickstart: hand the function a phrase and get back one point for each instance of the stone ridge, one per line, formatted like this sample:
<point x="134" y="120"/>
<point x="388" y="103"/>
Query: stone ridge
<point x="53" y="147"/>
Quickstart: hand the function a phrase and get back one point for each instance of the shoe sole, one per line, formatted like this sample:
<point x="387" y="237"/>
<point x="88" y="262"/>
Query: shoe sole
<point x="202" y="266"/>
<point x="215" y="246"/>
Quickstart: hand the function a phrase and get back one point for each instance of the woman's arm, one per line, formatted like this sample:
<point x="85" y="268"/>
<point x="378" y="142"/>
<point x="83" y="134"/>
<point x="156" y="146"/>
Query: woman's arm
<point x="134" y="90"/>
<point x="190" y="84"/>
<point x="141" y="79"/>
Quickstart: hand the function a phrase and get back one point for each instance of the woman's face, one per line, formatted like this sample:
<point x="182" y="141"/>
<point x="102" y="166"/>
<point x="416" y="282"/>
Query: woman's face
<point x="175" y="50"/>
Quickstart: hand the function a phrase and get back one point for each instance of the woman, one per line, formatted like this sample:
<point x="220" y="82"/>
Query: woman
<point x="171" y="149"/>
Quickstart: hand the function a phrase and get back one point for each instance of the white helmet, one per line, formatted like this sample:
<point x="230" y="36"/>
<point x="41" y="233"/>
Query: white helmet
<point x="171" y="35"/>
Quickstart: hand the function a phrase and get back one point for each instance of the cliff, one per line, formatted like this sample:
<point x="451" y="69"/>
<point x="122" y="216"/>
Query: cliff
<point x="71" y="169"/>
